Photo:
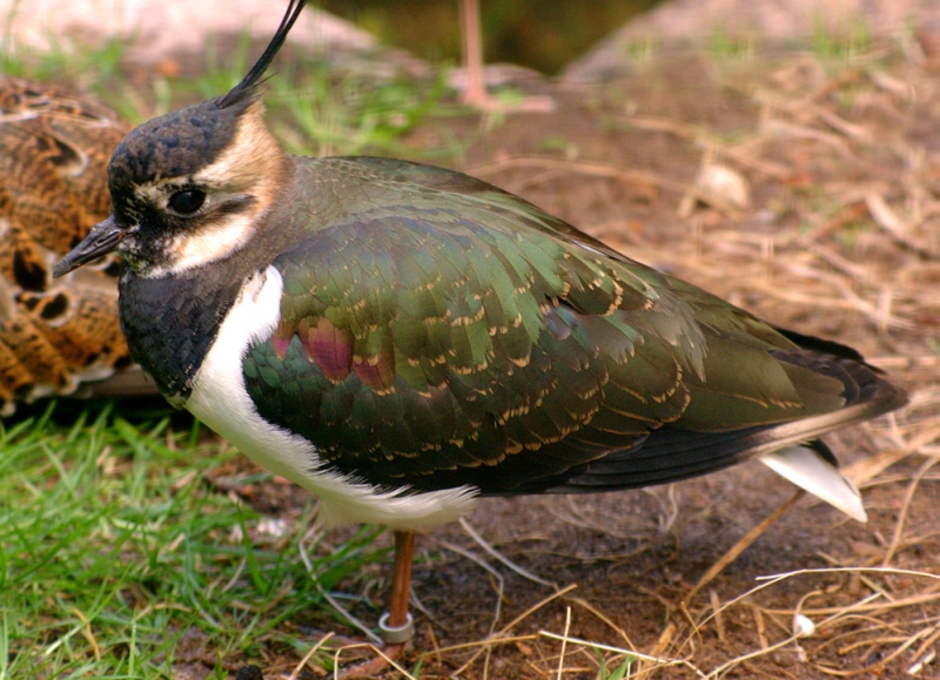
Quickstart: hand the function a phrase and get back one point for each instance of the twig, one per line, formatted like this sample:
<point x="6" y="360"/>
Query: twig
<point x="732" y="554"/>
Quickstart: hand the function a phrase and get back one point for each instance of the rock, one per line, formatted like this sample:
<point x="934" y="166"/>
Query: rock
<point x="157" y="30"/>
<point x="779" y="22"/>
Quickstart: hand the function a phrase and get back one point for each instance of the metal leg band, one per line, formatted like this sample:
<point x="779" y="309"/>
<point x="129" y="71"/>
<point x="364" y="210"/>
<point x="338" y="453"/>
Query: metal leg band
<point x="396" y="636"/>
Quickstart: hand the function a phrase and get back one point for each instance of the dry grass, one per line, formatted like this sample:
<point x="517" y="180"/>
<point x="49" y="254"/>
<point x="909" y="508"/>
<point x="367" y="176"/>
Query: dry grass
<point x="838" y="235"/>
<point x="829" y="224"/>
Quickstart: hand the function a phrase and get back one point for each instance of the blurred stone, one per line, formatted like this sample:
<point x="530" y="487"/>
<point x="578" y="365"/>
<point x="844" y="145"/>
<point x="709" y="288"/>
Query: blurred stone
<point x="782" y="22"/>
<point x="718" y="186"/>
<point x="724" y="183"/>
<point x="158" y="30"/>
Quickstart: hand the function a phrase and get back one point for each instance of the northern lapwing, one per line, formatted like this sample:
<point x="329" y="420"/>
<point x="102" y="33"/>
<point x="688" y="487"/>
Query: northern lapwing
<point x="403" y="340"/>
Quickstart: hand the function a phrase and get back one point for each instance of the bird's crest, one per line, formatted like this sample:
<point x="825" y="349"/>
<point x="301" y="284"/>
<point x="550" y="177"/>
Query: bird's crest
<point x="249" y="84"/>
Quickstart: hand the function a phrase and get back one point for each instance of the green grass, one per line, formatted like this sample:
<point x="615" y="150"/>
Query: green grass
<point x="618" y="672"/>
<point x="314" y="108"/>
<point x="116" y="550"/>
<point x="113" y="546"/>
<point x="99" y="64"/>
<point x="724" y="45"/>
<point x="851" y="42"/>
<point x="317" y="110"/>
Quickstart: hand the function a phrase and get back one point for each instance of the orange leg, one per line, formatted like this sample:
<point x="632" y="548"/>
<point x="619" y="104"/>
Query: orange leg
<point x="401" y="579"/>
<point x="396" y="626"/>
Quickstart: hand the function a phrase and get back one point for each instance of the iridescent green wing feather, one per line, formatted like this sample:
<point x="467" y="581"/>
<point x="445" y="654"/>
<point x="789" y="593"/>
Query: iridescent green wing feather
<point x="441" y="327"/>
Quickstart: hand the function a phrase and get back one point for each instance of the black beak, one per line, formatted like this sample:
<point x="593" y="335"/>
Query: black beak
<point x="104" y="238"/>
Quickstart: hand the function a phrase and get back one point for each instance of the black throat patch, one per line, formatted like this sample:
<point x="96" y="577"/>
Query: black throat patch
<point x="172" y="322"/>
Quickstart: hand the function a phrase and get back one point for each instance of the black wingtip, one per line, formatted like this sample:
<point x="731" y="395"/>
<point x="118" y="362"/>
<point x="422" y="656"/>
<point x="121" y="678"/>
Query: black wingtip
<point x="252" y="79"/>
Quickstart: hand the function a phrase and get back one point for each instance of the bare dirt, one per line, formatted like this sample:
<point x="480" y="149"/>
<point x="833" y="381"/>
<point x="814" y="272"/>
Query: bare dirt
<point x="838" y="237"/>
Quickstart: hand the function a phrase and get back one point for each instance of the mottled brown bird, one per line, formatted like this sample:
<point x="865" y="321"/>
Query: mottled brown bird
<point x="55" y="336"/>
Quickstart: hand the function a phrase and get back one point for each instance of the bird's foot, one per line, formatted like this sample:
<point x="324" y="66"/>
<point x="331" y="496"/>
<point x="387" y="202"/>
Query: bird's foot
<point x="386" y="655"/>
<point x="487" y="103"/>
<point x="395" y="639"/>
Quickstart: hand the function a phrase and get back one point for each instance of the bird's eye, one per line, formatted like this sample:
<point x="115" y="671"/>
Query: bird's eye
<point x="187" y="202"/>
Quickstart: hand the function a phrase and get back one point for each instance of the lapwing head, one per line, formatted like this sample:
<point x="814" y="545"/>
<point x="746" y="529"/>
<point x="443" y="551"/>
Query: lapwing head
<point x="191" y="187"/>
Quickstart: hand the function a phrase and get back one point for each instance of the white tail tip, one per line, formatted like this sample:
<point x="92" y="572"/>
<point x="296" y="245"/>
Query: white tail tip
<point x="810" y="471"/>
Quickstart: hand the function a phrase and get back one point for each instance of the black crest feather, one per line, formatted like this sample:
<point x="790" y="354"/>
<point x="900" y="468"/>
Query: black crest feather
<point x="252" y="79"/>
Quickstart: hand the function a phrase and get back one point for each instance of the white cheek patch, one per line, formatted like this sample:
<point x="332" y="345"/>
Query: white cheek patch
<point x="232" y="164"/>
<point x="210" y="243"/>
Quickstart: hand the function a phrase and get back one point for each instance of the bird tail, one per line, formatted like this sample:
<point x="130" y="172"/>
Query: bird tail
<point x="792" y="448"/>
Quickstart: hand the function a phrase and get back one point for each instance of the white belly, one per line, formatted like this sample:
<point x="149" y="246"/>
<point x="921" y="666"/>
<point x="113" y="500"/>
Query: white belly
<point x="220" y="400"/>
